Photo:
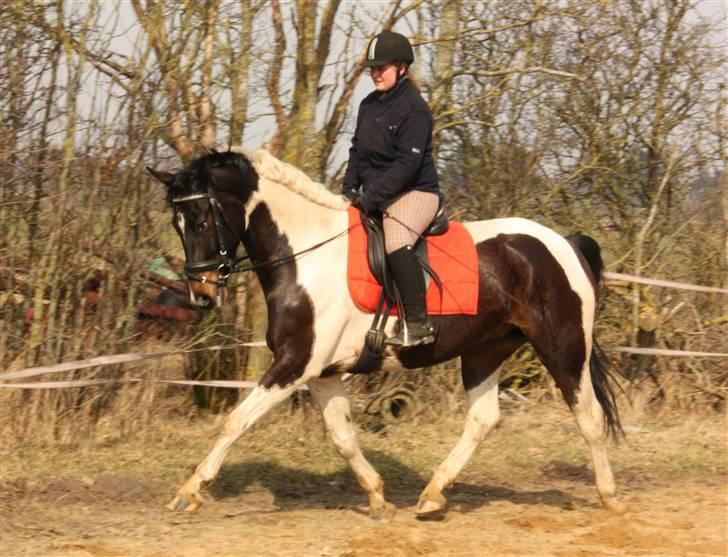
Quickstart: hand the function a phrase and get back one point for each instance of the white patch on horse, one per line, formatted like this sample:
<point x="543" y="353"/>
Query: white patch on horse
<point x="180" y="218"/>
<point x="331" y="396"/>
<point x="305" y="220"/>
<point x="255" y="405"/>
<point x="482" y="416"/>
<point x="181" y="225"/>
<point x="590" y="419"/>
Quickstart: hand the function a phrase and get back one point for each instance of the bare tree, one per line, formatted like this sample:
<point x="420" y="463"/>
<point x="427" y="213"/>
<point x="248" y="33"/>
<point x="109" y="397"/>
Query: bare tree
<point x="602" y="116"/>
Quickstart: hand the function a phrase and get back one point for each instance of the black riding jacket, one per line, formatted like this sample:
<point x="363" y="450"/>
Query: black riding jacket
<point x="391" y="151"/>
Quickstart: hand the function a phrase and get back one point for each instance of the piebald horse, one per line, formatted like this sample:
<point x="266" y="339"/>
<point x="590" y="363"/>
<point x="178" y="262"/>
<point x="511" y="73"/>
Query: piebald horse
<point x="535" y="286"/>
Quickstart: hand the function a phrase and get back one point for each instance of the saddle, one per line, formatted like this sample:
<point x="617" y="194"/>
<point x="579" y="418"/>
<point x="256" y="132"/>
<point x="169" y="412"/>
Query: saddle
<point x="377" y="256"/>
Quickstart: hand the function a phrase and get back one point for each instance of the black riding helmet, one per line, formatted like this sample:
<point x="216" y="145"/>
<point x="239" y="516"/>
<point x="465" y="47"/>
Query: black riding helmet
<point x="389" y="47"/>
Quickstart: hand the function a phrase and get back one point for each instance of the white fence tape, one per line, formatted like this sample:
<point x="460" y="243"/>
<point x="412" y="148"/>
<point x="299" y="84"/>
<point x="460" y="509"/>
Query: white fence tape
<point x="609" y="275"/>
<point x="93" y="382"/>
<point x="234" y="384"/>
<point x="666" y="352"/>
<point x="139" y="356"/>
<point x="65" y="384"/>
<point x="113" y="359"/>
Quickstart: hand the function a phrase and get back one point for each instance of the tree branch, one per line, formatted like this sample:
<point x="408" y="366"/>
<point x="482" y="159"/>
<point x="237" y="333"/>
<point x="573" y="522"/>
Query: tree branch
<point x="273" y="83"/>
<point x="153" y="25"/>
<point x="207" y="132"/>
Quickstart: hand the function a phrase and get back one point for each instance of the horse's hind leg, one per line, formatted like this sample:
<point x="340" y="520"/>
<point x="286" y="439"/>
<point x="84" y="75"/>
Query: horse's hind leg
<point x="331" y="396"/>
<point x="590" y="417"/>
<point x="573" y="376"/>
<point x="480" y="373"/>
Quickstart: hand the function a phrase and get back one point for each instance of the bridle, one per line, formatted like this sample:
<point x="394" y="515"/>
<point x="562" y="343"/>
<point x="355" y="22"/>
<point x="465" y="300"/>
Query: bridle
<point x="224" y="264"/>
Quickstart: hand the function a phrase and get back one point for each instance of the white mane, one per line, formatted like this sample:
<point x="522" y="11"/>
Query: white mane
<point x="270" y="168"/>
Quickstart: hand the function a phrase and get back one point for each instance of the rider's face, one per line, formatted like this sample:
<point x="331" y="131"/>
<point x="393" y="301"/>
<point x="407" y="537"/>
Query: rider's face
<point x="384" y="77"/>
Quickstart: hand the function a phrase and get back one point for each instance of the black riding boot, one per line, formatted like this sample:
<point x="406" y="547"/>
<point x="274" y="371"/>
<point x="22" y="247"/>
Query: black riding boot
<point x="410" y="281"/>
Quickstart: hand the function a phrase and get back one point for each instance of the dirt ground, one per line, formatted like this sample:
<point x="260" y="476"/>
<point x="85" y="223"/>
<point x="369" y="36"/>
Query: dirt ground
<point x="284" y="492"/>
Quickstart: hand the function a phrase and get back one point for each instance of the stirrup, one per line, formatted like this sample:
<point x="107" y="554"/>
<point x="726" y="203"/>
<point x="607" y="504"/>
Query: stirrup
<point x="423" y="334"/>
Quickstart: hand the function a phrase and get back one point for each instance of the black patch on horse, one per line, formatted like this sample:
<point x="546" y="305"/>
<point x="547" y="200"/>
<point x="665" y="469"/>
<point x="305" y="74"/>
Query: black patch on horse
<point x="290" y="332"/>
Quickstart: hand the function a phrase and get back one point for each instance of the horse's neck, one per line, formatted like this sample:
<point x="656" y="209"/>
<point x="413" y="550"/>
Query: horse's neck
<point x="297" y="215"/>
<point x="300" y="222"/>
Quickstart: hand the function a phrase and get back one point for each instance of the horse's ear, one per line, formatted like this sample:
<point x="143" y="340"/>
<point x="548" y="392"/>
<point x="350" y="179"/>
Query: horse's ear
<point x="165" y="177"/>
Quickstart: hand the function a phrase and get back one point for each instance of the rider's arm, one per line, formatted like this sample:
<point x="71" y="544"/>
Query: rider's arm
<point x="412" y="139"/>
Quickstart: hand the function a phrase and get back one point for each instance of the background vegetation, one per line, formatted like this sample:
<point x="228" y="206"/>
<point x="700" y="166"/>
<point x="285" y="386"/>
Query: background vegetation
<point x="606" y="117"/>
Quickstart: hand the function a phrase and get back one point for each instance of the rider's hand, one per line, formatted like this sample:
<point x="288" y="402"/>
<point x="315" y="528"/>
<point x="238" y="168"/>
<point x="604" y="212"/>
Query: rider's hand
<point x="364" y="204"/>
<point x="351" y="195"/>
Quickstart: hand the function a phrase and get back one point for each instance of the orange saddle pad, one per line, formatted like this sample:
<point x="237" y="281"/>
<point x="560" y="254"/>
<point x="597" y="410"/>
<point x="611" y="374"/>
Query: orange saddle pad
<point x="452" y="256"/>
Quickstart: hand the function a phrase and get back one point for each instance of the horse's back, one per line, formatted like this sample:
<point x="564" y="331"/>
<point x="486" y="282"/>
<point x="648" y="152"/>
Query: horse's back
<point x="483" y="230"/>
<point x="527" y="242"/>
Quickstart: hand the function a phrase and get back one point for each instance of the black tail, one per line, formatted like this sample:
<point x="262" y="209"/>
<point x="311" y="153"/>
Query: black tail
<point x="601" y="377"/>
<point x="589" y="248"/>
<point x="602" y="380"/>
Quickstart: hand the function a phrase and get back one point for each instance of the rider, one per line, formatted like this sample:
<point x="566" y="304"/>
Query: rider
<point x="390" y="159"/>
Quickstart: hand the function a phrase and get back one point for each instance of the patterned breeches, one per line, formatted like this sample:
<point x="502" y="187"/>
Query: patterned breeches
<point x="407" y="217"/>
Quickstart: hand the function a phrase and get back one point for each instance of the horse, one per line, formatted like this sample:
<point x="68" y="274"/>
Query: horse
<point x="535" y="286"/>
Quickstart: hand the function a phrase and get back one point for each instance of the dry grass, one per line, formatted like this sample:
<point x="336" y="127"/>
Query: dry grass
<point x="66" y="416"/>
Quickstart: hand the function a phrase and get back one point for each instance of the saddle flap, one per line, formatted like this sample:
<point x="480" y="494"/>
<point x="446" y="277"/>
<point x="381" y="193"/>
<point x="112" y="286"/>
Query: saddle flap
<point x="377" y="255"/>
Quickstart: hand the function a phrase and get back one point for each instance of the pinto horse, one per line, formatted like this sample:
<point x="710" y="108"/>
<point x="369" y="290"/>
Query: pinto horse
<point x="535" y="286"/>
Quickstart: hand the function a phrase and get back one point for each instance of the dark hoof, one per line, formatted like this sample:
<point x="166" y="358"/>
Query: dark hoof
<point x="179" y="504"/>
<point x="432" y="516"/>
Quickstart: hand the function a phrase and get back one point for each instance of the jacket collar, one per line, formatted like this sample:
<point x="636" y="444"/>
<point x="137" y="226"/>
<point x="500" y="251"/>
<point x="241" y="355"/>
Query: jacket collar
<point x="395" y="91"/>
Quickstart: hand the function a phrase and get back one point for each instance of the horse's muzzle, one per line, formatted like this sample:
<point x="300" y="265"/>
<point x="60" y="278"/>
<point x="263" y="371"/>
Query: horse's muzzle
<point x="206" y="292"/>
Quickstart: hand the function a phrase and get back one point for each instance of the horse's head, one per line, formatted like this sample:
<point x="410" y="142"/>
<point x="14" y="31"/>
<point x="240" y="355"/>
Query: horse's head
<point x="208" y="198"/>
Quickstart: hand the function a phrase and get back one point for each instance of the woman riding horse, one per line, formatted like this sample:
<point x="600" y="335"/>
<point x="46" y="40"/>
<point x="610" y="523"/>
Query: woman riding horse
<point x="390" y="159"/>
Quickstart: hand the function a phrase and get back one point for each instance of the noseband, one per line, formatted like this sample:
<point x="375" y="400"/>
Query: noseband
<point x="224" y="264"/>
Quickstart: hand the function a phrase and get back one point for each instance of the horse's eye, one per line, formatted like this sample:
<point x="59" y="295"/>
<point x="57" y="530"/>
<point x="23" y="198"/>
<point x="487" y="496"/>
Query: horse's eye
<point x="201" y="227"/>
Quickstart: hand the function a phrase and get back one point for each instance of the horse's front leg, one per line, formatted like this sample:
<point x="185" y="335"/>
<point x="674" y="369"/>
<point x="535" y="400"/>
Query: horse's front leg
<point x="331" y="396"/>
<point x="255" y="405"/>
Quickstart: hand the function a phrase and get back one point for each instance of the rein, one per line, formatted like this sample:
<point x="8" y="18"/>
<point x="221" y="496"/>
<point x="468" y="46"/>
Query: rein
<point x="288" y="258"/>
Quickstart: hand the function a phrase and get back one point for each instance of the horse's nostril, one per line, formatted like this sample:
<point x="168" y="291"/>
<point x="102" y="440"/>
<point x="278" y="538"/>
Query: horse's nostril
<point x="204" y="301"/>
